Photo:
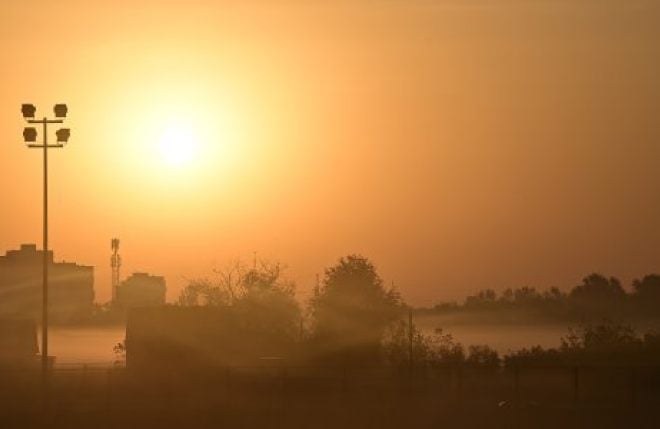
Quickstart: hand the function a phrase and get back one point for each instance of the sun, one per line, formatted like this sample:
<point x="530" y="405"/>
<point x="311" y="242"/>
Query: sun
<point x="178" y="145"/>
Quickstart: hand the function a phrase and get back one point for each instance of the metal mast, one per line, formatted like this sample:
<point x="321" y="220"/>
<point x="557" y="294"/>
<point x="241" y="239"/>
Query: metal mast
<point x="115" y="263"/>
<point x="30" y="137"/>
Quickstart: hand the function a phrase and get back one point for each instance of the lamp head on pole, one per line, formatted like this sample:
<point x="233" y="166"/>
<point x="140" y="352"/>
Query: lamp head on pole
<point x="63" y="135"/>
<point x="30" y="134"/>
<point x="60" y="110"/>
<point x="28" y="111"/>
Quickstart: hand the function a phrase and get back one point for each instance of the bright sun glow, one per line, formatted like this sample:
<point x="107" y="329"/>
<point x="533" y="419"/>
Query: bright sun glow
<point x="178" y="145"/>
<point x="177" y="140"/>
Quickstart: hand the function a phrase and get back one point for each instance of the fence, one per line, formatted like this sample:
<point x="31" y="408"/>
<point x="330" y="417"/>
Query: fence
<point x="559" y="386"/>
<point x="319" y="397"/>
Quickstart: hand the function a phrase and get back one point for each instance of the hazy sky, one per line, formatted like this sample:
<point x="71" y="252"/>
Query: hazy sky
<point x="459" y="144"/>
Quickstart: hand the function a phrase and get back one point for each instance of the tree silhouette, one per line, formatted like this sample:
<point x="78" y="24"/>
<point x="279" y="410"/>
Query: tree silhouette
<point x="351" y="310"/>
<point x="597" y="287"/>
<point x="260" y="300"/>
<point x="598" y="297"/>
<point x="203" y="292"/>
<point x="483" y="356"/>
<point x="648" y="287"/>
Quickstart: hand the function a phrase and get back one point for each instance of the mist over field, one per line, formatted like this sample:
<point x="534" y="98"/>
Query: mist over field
<point x="329" y="214"/>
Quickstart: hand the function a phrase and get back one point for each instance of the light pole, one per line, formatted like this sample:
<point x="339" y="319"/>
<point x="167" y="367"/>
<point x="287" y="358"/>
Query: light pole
<point x="30" y="137"/>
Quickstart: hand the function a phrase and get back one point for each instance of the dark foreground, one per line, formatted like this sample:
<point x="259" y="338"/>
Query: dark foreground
<point x="334" y="398"/>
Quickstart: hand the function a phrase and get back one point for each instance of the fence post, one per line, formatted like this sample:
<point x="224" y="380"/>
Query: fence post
<point x="344" y="379"/>
<point x="228" y="383"/>
<point x="459" y="384"/>
<point x="516" y="386"/>
<point x="284" y="375"/>
<point x="633" y="387"/>
<point x="109" y="397"/>
<point x="84" y="376"/>
<point x="576" y="385"/>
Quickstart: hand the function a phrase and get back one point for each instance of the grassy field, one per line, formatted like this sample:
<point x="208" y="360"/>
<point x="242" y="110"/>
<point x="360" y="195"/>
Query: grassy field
<point x="332" y="398"/>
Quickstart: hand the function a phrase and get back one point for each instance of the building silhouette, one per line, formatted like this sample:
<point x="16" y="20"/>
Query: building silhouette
<point x="141" y="290"/>
<point x="71" y="286"/>
<point x="171" y="339"/>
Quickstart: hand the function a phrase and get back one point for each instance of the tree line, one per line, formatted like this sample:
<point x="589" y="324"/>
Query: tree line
<point x="343" y="323"/>
<point x="595" y="298"/>
<point x="353" y="319"/>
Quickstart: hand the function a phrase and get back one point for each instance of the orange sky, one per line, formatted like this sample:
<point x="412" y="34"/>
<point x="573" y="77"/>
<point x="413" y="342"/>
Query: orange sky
<point x="459" y="144"/>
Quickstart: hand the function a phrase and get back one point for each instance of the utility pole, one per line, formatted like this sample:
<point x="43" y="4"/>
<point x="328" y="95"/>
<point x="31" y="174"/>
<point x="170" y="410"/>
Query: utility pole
<point x="30" y="137"/>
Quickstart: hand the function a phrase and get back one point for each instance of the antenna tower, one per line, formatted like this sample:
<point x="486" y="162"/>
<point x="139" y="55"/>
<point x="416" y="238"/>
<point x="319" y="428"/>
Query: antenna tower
<point x="115" y="263"/>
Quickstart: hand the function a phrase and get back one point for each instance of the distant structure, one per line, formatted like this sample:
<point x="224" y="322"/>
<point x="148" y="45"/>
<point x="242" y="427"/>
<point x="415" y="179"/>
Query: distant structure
<point x="115" y="263"/>
<point x="141" y="290"/>
<point x="71" y="292"/>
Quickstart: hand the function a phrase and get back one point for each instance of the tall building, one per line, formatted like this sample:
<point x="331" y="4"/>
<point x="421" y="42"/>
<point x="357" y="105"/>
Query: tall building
<point x="70" y="286"/>
<point x="141" y="290"/>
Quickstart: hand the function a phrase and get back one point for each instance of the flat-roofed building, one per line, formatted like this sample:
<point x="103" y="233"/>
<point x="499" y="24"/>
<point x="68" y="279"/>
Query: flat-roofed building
<point x="70" y="290"/>
<point x="141" y="290"/>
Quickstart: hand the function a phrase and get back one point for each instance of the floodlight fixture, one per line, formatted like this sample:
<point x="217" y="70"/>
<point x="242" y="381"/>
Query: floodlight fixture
<point x="63" y="135"/>
<point x="60" y="110"/>
<point x="28" y="110"/>
<point x="30" y="134"/>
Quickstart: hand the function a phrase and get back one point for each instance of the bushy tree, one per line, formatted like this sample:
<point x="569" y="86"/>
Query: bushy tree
<point x="605" y="342"/>
<point x="598" y="297"/>
<point x="267" y="300"/>
<point x="396" y="345"/>
<point x="483" y="356"/>
<point x="429" y="350"/>
<point x="482" y="299"/>
<point x="533" y="356"/>
<point x="598" y="288"/>
<point x="351" y="310"/>
<point x="648" y="286"/>
<point x="261" y="299"/>
<point x="526" y="296"/>
<point x="204" y="292"/>
<point x="435" y="350"/>
<point x="553" y="295"/>
<point x="445" y="350"/>
<point x="646" y="295"/>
